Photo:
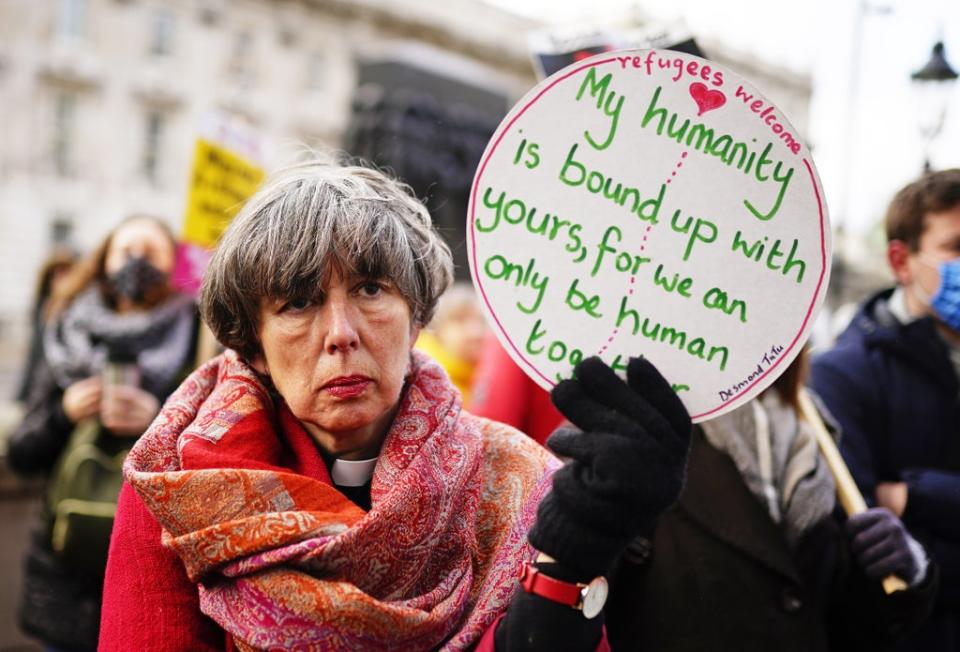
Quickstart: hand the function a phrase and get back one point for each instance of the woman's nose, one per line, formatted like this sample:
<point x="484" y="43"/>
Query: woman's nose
<point x="342" y="335"/>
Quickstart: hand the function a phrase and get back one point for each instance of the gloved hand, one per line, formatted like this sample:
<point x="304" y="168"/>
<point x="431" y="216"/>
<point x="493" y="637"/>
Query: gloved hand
<point x="534" y="623"/>
<point x="881" y="545"/>
<point x="627" y="464"/>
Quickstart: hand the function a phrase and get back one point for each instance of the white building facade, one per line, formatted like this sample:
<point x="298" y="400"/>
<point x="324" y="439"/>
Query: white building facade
<point x="101" y="102"/>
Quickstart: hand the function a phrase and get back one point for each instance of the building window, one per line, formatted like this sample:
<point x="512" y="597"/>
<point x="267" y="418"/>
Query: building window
<point x="316" y="72"/>
<point x="64" y="119"/>
<point x="61" y="230"/>
<point x="72" y="19"/>
<point x="162" y="27"/>
<point x="241" y="59"/>
<point x="153" y="139"/>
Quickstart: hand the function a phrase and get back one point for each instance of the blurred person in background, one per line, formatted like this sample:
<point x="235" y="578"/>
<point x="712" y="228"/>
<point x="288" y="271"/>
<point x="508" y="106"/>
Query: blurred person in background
<point x="318" y="486"/>
<point x="454" y="337"/>
<point x="755" y="556"/>
<point x="503" y="392"/>
<point x="893" y="383"/>
<point x="117" y="302"/>
<point x="52" y="273"/>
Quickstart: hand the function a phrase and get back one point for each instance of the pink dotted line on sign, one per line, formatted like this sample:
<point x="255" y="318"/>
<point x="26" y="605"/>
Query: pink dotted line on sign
<point x="633" y="280"/>
<point x="677" y="168"/>
<point x="643" y="245"/>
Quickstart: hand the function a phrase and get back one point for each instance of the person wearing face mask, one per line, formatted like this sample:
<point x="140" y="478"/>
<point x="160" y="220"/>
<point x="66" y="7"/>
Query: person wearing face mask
<point x="119" y="339"/>
<point x="892" y="381"/>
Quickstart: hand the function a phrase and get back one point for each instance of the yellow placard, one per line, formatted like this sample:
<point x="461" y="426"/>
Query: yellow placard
<point x="219" y="185"/>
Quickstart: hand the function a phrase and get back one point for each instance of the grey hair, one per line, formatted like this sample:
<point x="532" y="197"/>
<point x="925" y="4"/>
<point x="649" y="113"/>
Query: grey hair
<point x="308" y="220"/>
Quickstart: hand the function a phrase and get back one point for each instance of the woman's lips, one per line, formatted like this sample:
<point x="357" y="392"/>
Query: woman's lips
<point x="347" y="386"/>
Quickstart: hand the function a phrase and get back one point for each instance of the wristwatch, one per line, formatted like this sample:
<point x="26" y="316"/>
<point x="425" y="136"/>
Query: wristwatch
<point x="588" y="598"/>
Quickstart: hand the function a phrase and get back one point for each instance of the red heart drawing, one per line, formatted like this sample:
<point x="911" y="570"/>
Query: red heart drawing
<point x="706" y="99"/>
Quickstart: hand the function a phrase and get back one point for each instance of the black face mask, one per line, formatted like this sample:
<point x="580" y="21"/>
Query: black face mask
<point x="137" y="280"/>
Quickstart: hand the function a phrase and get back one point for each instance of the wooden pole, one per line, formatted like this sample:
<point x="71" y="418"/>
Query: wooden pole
<point x="850" y="498"/>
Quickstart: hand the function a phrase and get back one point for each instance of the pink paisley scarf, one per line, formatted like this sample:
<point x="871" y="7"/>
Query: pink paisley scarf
<point x="283" y="560"/>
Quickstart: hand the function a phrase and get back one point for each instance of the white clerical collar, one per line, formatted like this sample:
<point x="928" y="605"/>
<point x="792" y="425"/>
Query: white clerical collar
<point x="352" y="473"/>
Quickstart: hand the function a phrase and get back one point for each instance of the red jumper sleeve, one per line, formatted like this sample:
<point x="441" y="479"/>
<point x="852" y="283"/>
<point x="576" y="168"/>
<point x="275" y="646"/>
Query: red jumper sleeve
<point x="149" y="604"/>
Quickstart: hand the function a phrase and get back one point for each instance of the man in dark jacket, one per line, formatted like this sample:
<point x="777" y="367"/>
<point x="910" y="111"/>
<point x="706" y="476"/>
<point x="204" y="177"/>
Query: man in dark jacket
<point x="891" y="381"/>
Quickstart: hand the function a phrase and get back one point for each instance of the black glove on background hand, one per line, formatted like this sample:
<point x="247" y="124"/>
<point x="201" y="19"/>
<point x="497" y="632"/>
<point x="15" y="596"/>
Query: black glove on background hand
<point x="881" y="545"/>
<point x="627" y="466"/>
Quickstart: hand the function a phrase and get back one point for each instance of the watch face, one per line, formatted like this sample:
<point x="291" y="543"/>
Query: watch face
<point x="594" y="596"/>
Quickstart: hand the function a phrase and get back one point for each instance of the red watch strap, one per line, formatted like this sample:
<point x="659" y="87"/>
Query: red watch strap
<point x="536" y="582"/>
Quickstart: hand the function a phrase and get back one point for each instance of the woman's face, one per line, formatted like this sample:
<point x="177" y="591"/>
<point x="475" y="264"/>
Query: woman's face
<point x="340" y="363"/>
<point x="142" y="238"/>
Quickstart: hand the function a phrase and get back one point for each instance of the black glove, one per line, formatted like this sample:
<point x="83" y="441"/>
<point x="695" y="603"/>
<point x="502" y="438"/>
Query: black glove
<point x="627" y="465"/>
<point x="881" y="545"/>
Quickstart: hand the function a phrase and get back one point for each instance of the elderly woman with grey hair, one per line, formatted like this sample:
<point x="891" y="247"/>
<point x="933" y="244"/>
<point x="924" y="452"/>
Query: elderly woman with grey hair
<point x="318" y="486"/>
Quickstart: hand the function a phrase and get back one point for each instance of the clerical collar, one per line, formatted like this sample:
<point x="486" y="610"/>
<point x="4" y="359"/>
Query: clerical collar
<point x="352" y="473"/>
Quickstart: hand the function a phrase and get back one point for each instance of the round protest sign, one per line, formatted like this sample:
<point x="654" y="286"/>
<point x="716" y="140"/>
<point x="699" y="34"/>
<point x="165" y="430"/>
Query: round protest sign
<point x="651" y="203"/>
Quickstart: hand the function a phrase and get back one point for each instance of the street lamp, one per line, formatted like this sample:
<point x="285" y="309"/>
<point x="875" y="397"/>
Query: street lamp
<point x="934" y="83"/>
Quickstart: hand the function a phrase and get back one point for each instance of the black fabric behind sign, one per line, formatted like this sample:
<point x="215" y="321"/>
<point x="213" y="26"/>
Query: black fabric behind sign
<point x="431" y="132"/>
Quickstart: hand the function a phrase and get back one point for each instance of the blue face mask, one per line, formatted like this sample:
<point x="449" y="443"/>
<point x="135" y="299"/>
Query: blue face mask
<point x="946" y="300"/>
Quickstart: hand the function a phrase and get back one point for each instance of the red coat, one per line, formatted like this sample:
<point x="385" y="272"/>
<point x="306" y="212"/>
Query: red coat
<point x="504" y="393"/>
<point x="149" y="603"/>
